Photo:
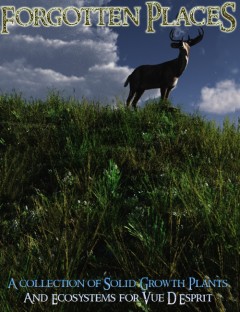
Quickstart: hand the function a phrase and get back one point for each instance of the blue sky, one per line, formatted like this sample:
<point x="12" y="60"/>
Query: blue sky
<point x="93" y="62"/>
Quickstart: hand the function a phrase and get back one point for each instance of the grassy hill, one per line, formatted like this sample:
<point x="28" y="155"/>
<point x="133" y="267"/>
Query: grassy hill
<point x="89" y="192"/>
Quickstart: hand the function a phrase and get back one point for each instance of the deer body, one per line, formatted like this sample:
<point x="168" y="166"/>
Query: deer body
<point x="163" y="76"/>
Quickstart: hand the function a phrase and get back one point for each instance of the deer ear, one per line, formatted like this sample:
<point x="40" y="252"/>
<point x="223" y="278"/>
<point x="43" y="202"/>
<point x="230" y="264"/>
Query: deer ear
<point x="175" y="45"/>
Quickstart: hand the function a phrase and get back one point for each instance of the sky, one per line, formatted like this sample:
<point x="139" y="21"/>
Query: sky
<point x="93" y="62"/>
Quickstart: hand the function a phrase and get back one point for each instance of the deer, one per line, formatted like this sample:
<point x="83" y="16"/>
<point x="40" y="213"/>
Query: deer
<point x="163" y="76"/>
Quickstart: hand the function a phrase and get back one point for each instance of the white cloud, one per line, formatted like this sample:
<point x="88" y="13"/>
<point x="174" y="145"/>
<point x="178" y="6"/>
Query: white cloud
<point x="100" y="83"/>
<point x="65" y="59"/>
<point x="85" y="65"/>
<point x="221" y="99"/>
<point x="27" y="78"/>
<point x="73" y="60"/>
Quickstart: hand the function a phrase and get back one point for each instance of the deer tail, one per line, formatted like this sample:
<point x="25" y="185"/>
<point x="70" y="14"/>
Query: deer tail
<point x="127" y="81"/>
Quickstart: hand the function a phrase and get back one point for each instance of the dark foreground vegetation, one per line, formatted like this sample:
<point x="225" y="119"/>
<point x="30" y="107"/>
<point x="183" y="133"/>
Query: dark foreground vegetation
<point x="89" y="192"/>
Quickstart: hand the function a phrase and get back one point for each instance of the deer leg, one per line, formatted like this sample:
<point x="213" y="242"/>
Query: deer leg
<point x="167" y="93"/>
<point x="163" y="93"/>
<point x="130" y="96"/>
<point x="137" y="96"/>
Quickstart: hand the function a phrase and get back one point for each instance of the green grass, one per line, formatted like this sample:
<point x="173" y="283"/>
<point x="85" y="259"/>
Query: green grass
<point x="88" y="191"/>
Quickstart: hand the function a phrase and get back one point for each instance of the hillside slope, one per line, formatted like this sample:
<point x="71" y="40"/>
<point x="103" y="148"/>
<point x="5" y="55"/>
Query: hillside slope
<point x="89" y="192"/>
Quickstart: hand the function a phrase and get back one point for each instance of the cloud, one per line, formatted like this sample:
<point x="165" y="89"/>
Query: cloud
<point x="71" y="54"/>
<point x="101" y="82"/>
<point x="83" y="60"/>
<point x="221" y="99"/>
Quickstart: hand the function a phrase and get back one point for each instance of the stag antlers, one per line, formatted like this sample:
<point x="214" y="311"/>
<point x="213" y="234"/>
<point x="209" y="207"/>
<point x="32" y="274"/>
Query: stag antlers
<point x="190" y="42"/>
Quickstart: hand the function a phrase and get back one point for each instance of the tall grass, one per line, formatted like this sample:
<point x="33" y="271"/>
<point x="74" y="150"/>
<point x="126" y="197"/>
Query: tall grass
<point x="89" y="191"/>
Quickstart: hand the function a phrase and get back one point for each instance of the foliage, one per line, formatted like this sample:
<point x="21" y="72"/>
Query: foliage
<point x="88" y="191"/>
